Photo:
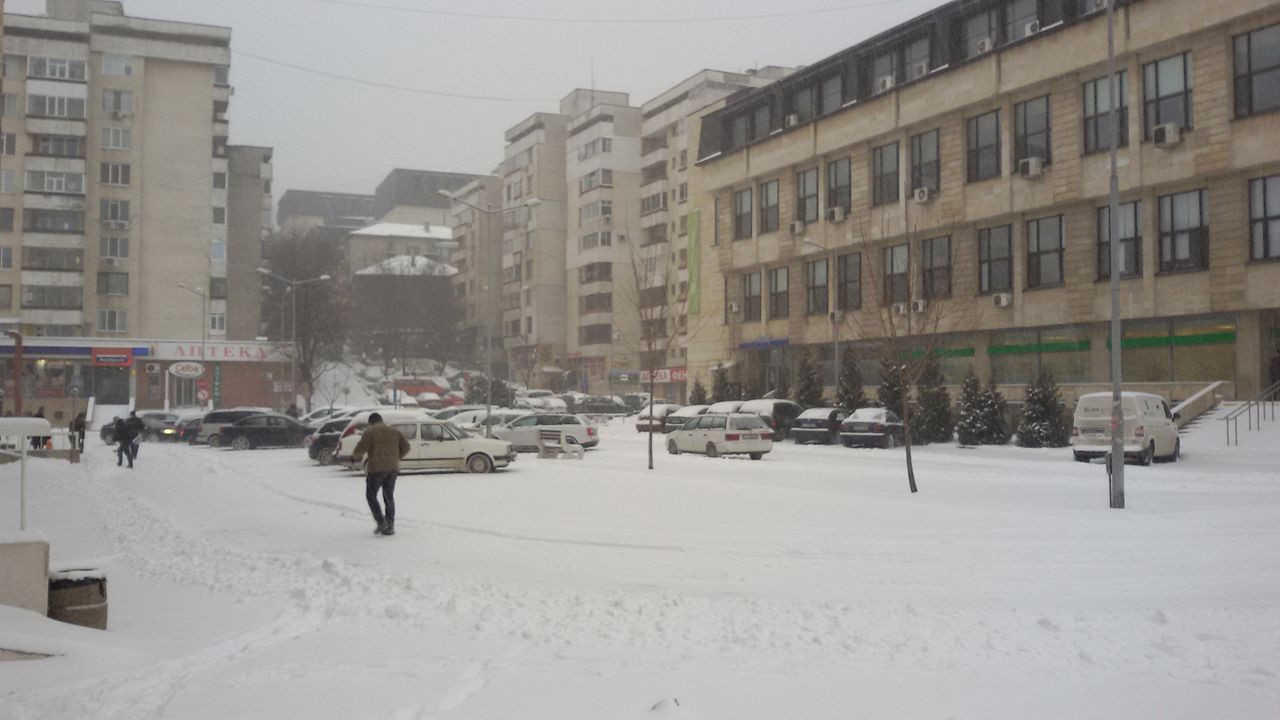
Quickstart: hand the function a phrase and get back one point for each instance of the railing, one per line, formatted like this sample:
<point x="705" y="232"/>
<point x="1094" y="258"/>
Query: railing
<point x="1206" y="399"/>
<point x="1257" y="408"/>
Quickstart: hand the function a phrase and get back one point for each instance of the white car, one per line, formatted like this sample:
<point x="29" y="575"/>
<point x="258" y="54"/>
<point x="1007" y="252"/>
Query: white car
<point x="523" y="431"/>
<point x="1150" y="428"/>
<point x="654" y="417"/>
<point x="473" y="421"/>
<point x="715" y="434"/>
<point x="433" y="444"/>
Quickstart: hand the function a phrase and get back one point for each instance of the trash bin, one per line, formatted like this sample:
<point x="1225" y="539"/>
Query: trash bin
<point x="79" y="597"/>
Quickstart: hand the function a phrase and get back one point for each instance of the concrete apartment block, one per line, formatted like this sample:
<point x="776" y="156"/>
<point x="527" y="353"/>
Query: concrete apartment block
<point x="951" y="104"/>
<point x="476" y="218"/>
<point x="249" y="220"/>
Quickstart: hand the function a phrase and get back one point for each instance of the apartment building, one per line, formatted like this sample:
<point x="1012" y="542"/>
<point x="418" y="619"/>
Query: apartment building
<point x="602" y="168"/>
<point x="662" y="244"/>
<point x="301" y="210"/>
<point x="957" y="167"/>
<point x="238" y="298"/>
<point x="413" y="196"/>
<point x="475" y="216"/>
<point x="534" y="290"/>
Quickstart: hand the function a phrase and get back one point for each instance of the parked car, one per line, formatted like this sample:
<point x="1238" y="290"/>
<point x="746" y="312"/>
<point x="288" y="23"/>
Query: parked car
<point x="523" y="431"/>
<point x="212" y="423"/>
<point x="653" y="418"/>
<point x="433" y="444"/>
<point x="319" y="415"/>
<point x="1150" y="428"/>
<point x="598" y="405"/>
<point x="263" y="430"/>
<point x="725" y="406"/>
<point x="777" y="414"/>
<point x="322" y="444"/>
<point x="715" y="434"/>
<point x="635" y="401"/>
<point x="677" y="418"/>
<point x="188" y="429"/>
<point x="449" y="413"/>
<point x="872" y="427"/>
<point x="430" y="400"/>
<point x="159" y="426"/>
<point x="474" y="421"/>
<point x="820" y="425"/>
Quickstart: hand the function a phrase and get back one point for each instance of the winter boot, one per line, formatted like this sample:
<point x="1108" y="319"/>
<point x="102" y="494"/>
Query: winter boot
<point x="381" y="529"/>
<point x="390" y="529"/>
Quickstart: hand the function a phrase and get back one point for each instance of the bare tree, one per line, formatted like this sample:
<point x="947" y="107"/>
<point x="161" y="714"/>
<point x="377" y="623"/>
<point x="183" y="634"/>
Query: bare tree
<point x="405" y="311"/>
<point x="333" y="382"/>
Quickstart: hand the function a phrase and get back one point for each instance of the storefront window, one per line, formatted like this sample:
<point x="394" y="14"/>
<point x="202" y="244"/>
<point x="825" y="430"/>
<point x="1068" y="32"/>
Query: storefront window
<point x="1145" y="356"/>
<point x="1198" y="348"/>
<point x="1013" y="356"/>
<point x="1064" y="353"/>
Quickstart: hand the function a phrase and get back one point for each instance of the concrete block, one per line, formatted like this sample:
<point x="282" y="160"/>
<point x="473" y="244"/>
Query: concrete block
<point x="24" y="570"/>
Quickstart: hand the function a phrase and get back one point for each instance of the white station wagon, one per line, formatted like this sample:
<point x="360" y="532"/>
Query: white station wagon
<point x="716" y="434"/>
<point x="433" y="444"/>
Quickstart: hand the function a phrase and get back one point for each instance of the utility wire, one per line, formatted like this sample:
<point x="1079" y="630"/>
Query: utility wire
<point x="612" y="21"/>
<point x="385" y="85"/>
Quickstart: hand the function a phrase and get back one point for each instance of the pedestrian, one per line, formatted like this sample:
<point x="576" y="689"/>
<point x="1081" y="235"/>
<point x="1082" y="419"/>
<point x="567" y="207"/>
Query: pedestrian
<point x="135" y="428"/>
<point x="385" y="446"/>
<point x="77" y="433"/>
<point x="120" y="436"/>
<point x="292" y="411"/>
<point x="37" y="441"/>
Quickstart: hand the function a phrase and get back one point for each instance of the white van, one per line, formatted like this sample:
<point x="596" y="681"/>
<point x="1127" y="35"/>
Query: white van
<point x="433" y="444"/>
<point x="1150" y="430"/>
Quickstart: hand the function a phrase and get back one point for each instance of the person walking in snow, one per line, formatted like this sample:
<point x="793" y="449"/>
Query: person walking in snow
<point x="134" y="428"/>
<point x="384" y="446"/>
<point x="77" y="433"/>
<point x="120" y="435"/>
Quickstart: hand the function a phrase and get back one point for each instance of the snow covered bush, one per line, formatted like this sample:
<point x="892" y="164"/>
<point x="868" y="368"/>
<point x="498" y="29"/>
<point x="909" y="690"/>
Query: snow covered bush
<point x="931" y="420"/>
<point x="849" y="394"/>
<point x="1043" y="423"/>
<point x="809" y="382"/>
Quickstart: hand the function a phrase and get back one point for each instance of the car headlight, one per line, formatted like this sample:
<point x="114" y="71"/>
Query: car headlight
<point x="169" y="431"/>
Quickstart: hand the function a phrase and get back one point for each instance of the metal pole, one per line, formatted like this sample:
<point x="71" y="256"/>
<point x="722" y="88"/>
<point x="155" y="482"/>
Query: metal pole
<point x="22" y="482"/>
<point x="835" y="355"/>
<point x="1113" y="227"/>
<point x="293" y="334"/>
<point x="488" y="337"/>
<point x="17" y="372"/>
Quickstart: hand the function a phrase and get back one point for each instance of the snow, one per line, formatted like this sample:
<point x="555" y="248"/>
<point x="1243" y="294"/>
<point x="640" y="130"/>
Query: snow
<point x="807" y="585"/>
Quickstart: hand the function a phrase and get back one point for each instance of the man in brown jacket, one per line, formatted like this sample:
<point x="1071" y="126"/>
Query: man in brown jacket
<point x="385" y="446"/>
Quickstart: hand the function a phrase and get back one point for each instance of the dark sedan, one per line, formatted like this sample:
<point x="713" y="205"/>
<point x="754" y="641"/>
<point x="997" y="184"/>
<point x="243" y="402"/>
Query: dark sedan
<point x="265" y="430"/>
<point x="872" y="427"/>
<point x="820" y="425"/>
<point x="323" y="443"/>
<point x="188" y="430"/>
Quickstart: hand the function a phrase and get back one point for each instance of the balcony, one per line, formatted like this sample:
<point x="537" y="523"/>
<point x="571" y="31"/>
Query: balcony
<point x="41" y="200"/>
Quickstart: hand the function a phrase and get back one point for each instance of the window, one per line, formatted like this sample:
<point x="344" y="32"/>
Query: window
<point x="884" y="174"/>
<point x="52" y="297"/>
<point x="838" y="184"/>
<point x="1019" y="13"/>
<point x="218" y="250"/>
<point x="751" y="296"/>
<point x="6" y="296"/>
<point x="58" y="146"/>
<point x="54" y="106"/>
<point x="217" y="322"/>
<point x="1257" y="71"/>
<point x="1184" y="231"/>
<point x="113" y="247"/>
<point x="849" y="279"/>
<point x="832" y="94"/>
<point x="15" y="66"/>
<point x="884" y="71"/>
<point x="1097" y="103"/>
<point x="8" y="143"/>
<point x="219" y="181"/>
<point x="1044" y="252"/>
<point x="761" y="121"/>
<point x="113" y="283"/>
<point x="55" y="182"/>
<point x="897" y="281"/>
<point x="917" y="57"/>
<point x="117" y="101"/>
<point x="924" y="162"/>
<point x="114" y="174"/>
<point x="9" y="105"/>
<point x="113" y="321"/>
<point x="1129" y="236"/>
<point x="593" y="272"/>
<point x="807" y="195"/>
<point x="53" y="221"/>
<point x="1166" y="93"/>
<point x="221" y="75"/>
<point x="802" y="103"/>
<point x="1031" y="130"/>
<point x="995" y="259"/>
<point x="984" y="147"/>
<point x="219" y="216"/>
<point x="8" y="181"/>
<point x="602" y="177"/>
<point x="118" y="65"/>
<point x="596" y="302"/>
<point x="816" y="287"/>
<point x="593" y="210"/>
<point x="217" y="288"/>
<point x="936" y="267"/>
<point x="652" y="203"/>
<point x="595" y="239"/>
<point x="742" y="214"/>
<point x="739" y="126"/>
<point x="779" y="304"/>
<point x="1264" y="218"/>
<point x="57" y="259"/>
<point x="114" y="210"/>
<point x="116" y="138"/>
<point x="6" y="258"/>
<point x="55" y="68"/>
<point x="979" y="32"/>
<point x="769" y="206"/>
<point x="6" y="219"/>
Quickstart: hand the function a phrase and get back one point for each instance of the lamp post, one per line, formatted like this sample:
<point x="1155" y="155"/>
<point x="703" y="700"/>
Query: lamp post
<point x="204" y="327"/>
<point x="490" y="214"/>
<point x="293" y="322"/>
<point x="1113" y="229"/>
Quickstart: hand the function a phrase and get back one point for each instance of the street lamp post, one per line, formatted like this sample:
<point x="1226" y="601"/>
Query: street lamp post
<point x="490" y="214"/>
<point x="293" y="321"/>
<point x="204" y="327"/>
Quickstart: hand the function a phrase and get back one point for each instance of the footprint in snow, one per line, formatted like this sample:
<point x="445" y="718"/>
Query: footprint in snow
<point x="1047" y="624"/>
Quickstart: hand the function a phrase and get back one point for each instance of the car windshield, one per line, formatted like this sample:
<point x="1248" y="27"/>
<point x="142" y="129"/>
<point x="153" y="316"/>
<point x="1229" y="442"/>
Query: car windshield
<point x="745" y="423"/>
<point x="816" y="413"/>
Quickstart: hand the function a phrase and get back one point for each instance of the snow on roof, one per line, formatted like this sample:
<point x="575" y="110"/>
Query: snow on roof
<point x="409" y="265"/>
<point x="406" y="230"/>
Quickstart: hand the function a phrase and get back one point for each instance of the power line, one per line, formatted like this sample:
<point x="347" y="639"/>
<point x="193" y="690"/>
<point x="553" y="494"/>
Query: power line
<point x="386" y="85"/>
<point x="612" y="21"/>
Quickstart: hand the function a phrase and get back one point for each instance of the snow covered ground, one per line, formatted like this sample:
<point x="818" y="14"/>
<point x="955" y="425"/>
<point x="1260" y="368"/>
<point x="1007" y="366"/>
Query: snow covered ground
<point x="807" y="585"/>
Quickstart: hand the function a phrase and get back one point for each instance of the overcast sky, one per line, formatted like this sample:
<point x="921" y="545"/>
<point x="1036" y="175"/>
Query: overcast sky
<point x="335" y="135"/>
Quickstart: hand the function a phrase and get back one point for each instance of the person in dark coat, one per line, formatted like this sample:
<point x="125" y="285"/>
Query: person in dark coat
<point x="37" y="441"/>
<point x="77" y="433"/>
<point x="120" y="435"/>
<point x="134" y="428"/>
<point x="385" y="446"/>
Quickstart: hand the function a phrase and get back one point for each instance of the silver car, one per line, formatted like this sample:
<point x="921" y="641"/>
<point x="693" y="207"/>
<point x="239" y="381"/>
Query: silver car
<point x="523" y="431"/>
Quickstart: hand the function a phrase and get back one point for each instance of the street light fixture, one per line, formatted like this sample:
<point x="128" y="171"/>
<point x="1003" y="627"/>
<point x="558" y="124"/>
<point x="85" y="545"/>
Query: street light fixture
<point x="293" y="329"/>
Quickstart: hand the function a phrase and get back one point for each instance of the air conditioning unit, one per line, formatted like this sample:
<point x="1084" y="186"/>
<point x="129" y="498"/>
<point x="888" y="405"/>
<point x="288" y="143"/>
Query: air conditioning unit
<point x="884" y="83"/>
<point x="835" y="214"/>
<point x="792" y="120"/>
<point x="1031" y="28"/>
<point x="1002" y="300"/>
<point x="120" y="114"/>
<point x="899" y="308"/>
<point x="919" y="306"/>
<point x="1167" y="135"/>
<point x="153" y="368"/>
<point x="606" y="219"/>
<point x="918" y="70"/>
<point x="733" y="307"/>
<point x="1031" y="167"/>
<point x="797" y="227"/>
<point x="923" y="194"/>
<point x="111" y="262"/>
<point x="117" y="224"/>
<point x="984" y="45"/>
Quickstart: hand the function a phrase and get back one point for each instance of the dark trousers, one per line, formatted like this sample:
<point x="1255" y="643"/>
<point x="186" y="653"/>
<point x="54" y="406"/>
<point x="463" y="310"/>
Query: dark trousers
<point x="386" y="482"/>
<point x="124" y="451"/>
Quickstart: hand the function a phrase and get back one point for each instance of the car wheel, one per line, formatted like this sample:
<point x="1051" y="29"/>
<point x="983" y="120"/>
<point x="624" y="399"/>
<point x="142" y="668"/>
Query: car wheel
<point x="890" y="441"/>
<point x="672" y="448"/>
<point x="325" y="457"/>
<point x="1147" y="455"/>
<point x="214" y="440"/>
<point x="846" y="443"/>
<point x="756" y="456"/>
<point x="479" y="464"/>
<point x="712" y="450"/>
<point x="1177" y="451"/>
<point x="240" y="442"/>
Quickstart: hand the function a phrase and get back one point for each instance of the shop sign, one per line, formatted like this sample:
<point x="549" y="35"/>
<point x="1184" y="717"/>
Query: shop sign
<point x="113" y="357"/>
<point x="664" y="375"/>
<point x="223" y="351"/>
<point x="186" y="369"/>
